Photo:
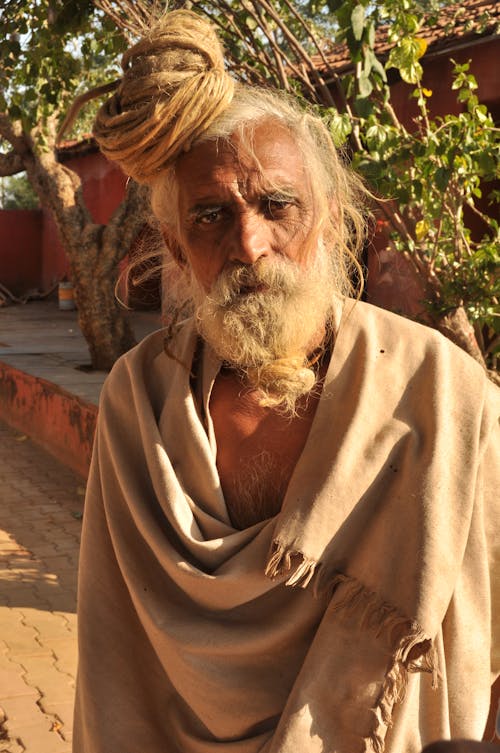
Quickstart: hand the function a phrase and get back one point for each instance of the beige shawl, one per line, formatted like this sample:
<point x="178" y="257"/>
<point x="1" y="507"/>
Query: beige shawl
<point x="358" y="619"/>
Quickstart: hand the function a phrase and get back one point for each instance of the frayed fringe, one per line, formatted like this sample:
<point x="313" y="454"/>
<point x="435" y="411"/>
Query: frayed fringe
<point x="281" y="561"/>
<point x="396" y="679"/>
<point x="410" y="648"/>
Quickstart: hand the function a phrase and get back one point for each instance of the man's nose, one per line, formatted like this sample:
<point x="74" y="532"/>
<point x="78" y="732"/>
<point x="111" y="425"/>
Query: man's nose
<point x="251" y="238"/>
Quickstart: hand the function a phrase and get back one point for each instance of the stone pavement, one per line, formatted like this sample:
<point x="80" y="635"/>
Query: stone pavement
<point x="47" y="389"/>
<point x="40" y="339"/>
<point x="41" y="504"/>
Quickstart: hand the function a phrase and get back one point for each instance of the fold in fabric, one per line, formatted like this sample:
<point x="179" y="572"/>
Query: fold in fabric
<point x="358" y="619"/>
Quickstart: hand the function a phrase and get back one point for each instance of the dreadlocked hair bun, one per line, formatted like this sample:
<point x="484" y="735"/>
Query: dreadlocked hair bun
<point x="173" y="87"/>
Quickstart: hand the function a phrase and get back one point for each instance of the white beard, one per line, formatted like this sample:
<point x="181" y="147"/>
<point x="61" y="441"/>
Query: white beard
<point x="264" y="319"/>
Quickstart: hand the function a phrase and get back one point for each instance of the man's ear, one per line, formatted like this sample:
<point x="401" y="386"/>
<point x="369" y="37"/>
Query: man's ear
<point x="173" y="246"/>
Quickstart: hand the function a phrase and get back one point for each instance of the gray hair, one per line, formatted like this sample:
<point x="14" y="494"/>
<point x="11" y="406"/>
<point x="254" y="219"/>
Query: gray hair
<point x="338" y="193"/>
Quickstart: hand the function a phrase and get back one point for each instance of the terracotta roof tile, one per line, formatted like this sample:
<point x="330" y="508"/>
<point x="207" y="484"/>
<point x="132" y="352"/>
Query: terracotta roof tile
<point x="458" y="22"/>
<point x="76" y="148"/>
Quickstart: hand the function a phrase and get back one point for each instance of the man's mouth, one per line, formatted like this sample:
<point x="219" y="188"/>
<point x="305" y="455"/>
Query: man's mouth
<point x="260" y="287"/>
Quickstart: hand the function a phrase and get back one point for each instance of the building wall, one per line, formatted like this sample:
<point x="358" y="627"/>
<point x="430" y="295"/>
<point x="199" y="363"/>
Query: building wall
<point x="20" y="249"/>
<point x="103" y="184"/>
<point x="438" y="74"/>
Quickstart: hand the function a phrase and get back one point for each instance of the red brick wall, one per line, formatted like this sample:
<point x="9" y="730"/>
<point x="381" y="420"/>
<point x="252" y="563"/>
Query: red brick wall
<point x="20" y="249"/>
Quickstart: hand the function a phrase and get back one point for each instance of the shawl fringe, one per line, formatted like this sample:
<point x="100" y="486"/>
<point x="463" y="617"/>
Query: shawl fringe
<point x="411" y="649"/>
<point x="283" y="560"/>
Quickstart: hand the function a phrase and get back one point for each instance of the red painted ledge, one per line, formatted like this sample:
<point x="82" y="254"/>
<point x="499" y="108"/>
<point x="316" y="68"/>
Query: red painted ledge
<point x="62" y="423"/>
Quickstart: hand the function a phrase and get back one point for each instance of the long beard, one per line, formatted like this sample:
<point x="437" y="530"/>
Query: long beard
<point x="264" y="319"/>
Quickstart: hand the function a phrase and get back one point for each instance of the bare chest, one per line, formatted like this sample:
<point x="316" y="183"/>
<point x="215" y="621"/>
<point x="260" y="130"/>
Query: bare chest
<point x="257" y="450"/>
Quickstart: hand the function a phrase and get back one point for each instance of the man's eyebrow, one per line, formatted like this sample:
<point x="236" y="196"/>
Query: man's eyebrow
<point x="204" y="204"/>
<point x="262" y="193"/>
<point x="279" y="192"/>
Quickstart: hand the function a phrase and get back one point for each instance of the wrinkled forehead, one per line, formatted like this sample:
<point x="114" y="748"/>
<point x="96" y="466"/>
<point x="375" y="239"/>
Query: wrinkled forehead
<point x="267" y="155"/>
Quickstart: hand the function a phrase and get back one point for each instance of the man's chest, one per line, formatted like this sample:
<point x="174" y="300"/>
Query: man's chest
<point x="257" y="450"/>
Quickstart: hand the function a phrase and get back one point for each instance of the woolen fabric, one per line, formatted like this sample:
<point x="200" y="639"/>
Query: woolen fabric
<point x="357" y="619"/>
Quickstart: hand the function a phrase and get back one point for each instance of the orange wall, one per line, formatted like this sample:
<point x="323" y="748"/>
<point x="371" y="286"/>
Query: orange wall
<point x="20" y="249"/>
<point x="59" y="421"/>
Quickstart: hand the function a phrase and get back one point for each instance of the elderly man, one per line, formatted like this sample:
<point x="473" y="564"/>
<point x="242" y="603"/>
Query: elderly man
<point x="288" y="532"/>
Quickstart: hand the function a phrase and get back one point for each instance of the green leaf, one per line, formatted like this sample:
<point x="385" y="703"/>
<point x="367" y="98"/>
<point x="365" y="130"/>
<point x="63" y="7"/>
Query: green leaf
<point x="481" y="113"/>
<point x="405" y="55"/>
<point x="377" y="67"/>
<point x="365" y="85"/>
<point x="355" y="47"/>
<point x="376" y="135"/>
<point x="370" y="37"/>
<point x="363" y="107"/>
<point x="358" y="22"/>
<point x="442" y="178"/>
<point x="340" y="127"/>
<point x="411" y="74"/>
<point x="411" y="23"/>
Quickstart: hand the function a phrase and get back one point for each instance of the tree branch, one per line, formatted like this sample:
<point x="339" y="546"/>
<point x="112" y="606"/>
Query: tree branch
<point x="10" y="164"/>
<point x="233" y="30"/>
<point x="132" y="16"/>
<point x="13" y="133"/>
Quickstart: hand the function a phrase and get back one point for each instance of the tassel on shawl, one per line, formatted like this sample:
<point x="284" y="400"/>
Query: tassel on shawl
<point x="410" y="648"/>
<point x="281" y="561"/>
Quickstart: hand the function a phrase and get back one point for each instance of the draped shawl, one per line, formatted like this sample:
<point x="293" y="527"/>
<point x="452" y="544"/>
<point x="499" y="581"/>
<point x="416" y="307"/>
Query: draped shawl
<point x="357" y="619"/>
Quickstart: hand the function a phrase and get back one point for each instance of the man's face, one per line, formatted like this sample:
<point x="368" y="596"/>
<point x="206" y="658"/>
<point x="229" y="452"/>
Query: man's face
<point x="263" y="278"/>
<point x="233" y="213"/>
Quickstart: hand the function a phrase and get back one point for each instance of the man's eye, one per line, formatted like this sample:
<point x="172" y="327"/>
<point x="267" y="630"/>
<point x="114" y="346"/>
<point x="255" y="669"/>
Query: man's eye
<point x="274" y="207"/>
<point x="209" y="216"/>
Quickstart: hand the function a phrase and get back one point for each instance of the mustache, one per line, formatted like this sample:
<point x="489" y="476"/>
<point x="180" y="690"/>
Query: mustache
<point x="237" y="280"/>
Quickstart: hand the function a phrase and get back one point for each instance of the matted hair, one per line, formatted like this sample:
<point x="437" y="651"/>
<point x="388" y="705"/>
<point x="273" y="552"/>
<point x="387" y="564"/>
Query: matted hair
<point x="175" y="93"/>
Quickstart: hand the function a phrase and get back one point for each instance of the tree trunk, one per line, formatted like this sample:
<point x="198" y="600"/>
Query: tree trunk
<point x="455" y="325"/>
<point x="94" y="252"/>
<point x="102" y="319"/>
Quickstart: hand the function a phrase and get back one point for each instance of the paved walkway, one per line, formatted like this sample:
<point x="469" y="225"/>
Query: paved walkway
<point x="41" y="505"/>
<point x="41" y="340"/>
<point x="40" y="522"/>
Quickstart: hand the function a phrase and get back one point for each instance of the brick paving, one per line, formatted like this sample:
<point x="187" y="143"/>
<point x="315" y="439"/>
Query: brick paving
<point x="41" y="505"/>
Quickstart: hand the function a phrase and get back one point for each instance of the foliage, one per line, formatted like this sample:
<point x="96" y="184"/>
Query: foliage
<point x="435" y="172"/>
<point x="16" y="193"/>
<point x="50" y="50"/>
